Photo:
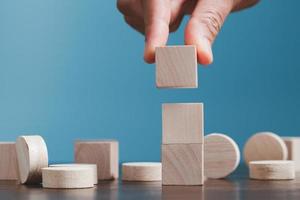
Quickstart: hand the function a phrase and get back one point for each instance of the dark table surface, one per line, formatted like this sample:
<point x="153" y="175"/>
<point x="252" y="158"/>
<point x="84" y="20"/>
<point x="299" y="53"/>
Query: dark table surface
<point x="237" y="186"/>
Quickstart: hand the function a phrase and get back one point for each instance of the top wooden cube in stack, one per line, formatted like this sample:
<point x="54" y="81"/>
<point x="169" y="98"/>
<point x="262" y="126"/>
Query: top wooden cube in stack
<point x="182" y="123"/>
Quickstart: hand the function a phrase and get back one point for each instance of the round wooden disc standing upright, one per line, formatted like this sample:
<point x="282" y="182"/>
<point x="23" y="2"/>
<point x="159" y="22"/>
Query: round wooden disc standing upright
<point x="32" y="156"/>
<point x="265" y="146"/>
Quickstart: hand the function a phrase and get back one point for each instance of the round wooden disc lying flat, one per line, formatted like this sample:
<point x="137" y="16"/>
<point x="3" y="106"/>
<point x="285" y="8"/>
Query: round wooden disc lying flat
<point x="265" y="146"/>
<point x="221" y="155"/>
<point x="141" y="171"/>
<point x="92" y="166"/>
<point x="32" y="156"/>
<point x="272" y="169"/>
<point x="68" y="177"/>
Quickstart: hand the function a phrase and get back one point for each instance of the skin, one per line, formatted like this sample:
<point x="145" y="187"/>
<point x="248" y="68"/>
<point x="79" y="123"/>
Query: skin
<point x="157" y="18"/>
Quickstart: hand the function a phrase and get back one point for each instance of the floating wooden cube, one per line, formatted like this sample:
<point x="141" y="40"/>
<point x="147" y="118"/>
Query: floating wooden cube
<point x="182" y="164"/>
<point x="8" y="161"/>
<point x="176" y="67"/>
<point x="182" y="123"/>
<point x="293" y="146"/>
<point x="103" y="153"/>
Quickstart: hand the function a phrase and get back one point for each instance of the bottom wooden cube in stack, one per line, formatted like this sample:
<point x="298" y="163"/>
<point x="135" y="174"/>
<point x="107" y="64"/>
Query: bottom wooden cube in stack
<point x="182" y="164"/>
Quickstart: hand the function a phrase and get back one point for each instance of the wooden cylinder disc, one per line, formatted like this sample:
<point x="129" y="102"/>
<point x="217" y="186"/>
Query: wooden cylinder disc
<point x="32" y="156"/>
<point x="272" y="170"/>
<point x="68" y="177"/>
<point x="92" y="166"/>
<point x="221" y="155"/>
<point x="265" y="146"/>
<point x="141" y="171"/>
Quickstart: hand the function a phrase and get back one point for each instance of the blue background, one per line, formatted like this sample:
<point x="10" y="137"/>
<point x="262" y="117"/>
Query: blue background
<point x="73" y="69"/>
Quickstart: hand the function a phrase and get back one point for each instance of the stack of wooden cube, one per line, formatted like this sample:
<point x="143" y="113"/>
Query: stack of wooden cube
<point x="182" y="148"/>
<point x="182" y="123"/>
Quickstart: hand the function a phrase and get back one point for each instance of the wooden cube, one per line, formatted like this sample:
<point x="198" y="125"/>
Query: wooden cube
<point x="176" y="67"/>
<point x="293" y="146"/>
<point x="103" y="153"/>
<point x="8" y="161"/>
<point x="182" y="123"/>
<point x="182" y="164"/>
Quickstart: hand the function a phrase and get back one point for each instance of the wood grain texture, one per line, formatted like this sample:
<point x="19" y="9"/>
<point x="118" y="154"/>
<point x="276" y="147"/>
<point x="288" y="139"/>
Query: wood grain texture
<point x="182" y="123"/>
<point x="32" y="155"/>
<point x="8" y="161"/>
<point x="77" y="165"/>
<point x="103" y="153"/>
<point x="221" y="155"/>
<point x="265" y="146"/>
<point x="68" y="177"/>
<point x="176" y="67"/>
<point x="141" y="171"/>
<point x="272" y="170"/>
<point x="293" y="146"/>
<point x="182" y="164"/>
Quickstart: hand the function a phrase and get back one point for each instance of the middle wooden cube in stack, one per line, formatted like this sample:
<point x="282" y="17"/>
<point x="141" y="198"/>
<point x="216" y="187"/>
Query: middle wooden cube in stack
<point x="182" y="148"/>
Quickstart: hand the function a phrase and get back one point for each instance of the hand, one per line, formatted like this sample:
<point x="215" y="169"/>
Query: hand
<point x="157" y="18"/>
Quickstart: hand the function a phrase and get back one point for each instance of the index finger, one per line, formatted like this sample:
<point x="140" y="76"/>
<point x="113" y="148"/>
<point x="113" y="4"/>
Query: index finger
<point x="157" y="19"/>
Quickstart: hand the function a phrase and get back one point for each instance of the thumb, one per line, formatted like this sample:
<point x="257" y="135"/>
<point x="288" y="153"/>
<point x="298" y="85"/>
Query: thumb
<point x="204" y="25"/>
